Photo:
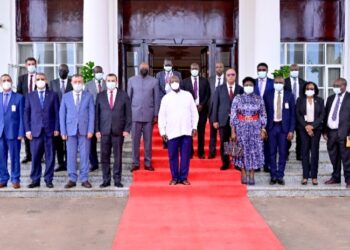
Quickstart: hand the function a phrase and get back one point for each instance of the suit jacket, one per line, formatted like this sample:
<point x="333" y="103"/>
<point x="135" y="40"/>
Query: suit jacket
<point x="222" y="104"/>
<point x="113" y="121"/>
<point x="204" y="91"/>
<point x="288" y="110"/>
<point x="144" y="97"/>
<point x="161" y="80"/>
<point x="269" y="86"/>
<point x="212" y="81"/>
<point x="37" y="118"/>
<point x="11" y="120"/>
<point x="22" y="84"/>
<point x="318" y="114"/>
<point x="73" y="118"/>
<point x="91" y="87"/>
<point x="55" y="86"/>
<point x="344" y="115"/>
<point x="288" y="86"/>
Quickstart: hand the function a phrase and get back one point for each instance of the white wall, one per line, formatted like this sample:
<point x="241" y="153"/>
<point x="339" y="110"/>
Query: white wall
<point x="259" y="35"/>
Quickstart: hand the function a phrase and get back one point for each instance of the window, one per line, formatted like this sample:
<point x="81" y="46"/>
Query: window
<point x="49" y="56"/>
<point x="321" y="63"/>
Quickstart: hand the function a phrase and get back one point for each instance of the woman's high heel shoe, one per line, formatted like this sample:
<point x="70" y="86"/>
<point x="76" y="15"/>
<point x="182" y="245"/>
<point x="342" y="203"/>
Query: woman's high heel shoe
<point x="244" y="180"/>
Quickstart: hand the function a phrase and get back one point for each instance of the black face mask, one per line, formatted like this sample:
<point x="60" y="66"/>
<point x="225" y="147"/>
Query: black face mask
<point x="144" y="72"/>
<point x="63" y="74"/>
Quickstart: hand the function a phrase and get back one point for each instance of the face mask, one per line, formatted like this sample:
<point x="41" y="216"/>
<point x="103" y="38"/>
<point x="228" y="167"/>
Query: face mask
<point x="248" y="89"/>
<point x="111" y="85"/>
<point x="262" y="74"/>
<point x="63" y="74"/>
<point x="31" y="69"/>
<point x="336" y="90"/>
<point x="175" y="85"/>
<point x="168" y="68"/>
<point x="144" y="72"/>
<point x="294" y="73"/>
<point x="78" y="87"/>
<point x="310" y="93"/>
<point x="6" y="85"/>
<point x="40" y="84"/>
<point x="278" y="86"/>
<point x="99" y="76"/>
<point x="194" y="72"/>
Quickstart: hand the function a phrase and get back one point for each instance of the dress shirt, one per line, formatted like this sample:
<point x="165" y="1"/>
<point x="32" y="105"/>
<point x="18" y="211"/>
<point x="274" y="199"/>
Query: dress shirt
<point x="65" y="81"/>
<point x="167" y="76"/>
<point x="193" y="78"/>
<point x="310" y="111"/>
<point x="33" y="83"/>
<point x="75" y="96"/>
<point x="233" y="88"/>
<point x="262" y="83"/>
<point x="97" y="85"/>
<point x="217" y="80"/>
<point x="330" y="123"/>
<point x="292" y="80"/>
<point x="114" y="93"/>
<point x="178" y="115"/>
<point x="275" y="106"/>
<point x="9" y="93"/>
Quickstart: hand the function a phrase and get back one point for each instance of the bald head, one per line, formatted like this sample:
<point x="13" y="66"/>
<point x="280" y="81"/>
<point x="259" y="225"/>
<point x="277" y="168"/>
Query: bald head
<point x="144" y="69"/>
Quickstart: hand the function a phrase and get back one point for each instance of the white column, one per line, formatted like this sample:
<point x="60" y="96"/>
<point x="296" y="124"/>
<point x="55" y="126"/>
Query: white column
<point x="259" y="36"/>
<point x="8" y="38"/>
<point x="346" y="55"/>
<point x="100" y="33"/>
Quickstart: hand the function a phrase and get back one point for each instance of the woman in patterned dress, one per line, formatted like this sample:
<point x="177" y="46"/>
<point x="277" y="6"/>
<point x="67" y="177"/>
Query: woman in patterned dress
<point x="248" y="121"/>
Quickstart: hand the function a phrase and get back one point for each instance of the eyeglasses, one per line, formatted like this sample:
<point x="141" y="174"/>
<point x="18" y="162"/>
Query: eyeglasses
<point x="228" y="75"/>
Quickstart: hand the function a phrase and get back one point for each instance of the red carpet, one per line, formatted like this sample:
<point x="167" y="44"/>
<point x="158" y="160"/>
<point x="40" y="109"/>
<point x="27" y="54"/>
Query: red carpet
<point x="213" y="213"/>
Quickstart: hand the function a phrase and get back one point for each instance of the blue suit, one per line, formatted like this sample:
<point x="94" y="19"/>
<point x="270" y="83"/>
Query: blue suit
<point x="42" y="121"/>
<point x="11" y="127"/>
<point x="76" y="121"/>
<point x="278" y="132"/>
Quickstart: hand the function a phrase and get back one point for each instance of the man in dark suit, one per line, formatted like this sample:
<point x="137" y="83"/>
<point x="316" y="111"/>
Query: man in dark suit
<point x="295" y="84"/>
<point x="337" y="131"/>
<point x="41" y="124"/>
<point x="61" y="86"/>
<point x="280" y="109"/>
<point x="11" y="132"/>
<point x="214" y="82"/>
<point x="200" y="90"/>
<point x="263" y="85"/>
<point x="222" y="101"/>
<point x="113" y="123"/>
<point x="26" y="85"/>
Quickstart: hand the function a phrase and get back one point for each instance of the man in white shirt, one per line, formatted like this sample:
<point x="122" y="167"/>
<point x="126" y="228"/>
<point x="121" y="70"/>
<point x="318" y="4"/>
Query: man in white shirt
<point x="177" y="122"/>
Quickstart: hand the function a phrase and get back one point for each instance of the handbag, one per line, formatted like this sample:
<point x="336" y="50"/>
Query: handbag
<point x="233" y="149"/>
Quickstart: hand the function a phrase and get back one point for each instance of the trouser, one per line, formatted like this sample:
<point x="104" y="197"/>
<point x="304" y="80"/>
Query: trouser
<point x="60" y="149"/>
<point x="109" y="142"/>
<point x="212" y="142"/>
<point x="27" y="148"/>
<point x="75" y="143"/>
<point x="201" y="132"/>
<point x="297" y="144"/>
<point x="40" y="145"/>
<point x="180" y="145"/>
<point x="144" y="129"/>
<point x="311" y="144"/>
<point x="93" y="152"/>
<point x="14" y="147"/>
<point x="225" y="134"/>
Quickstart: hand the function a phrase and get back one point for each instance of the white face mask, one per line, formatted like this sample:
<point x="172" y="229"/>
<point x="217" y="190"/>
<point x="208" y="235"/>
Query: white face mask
<point x="77" y="87"/>
<point x="294" y="73"/>
<point x="278" y="86"/>
<point x="310" y="93"/>
<point x="194" y="72"/>
<point x="336" y="90"/>
<point x="168" y="68"/>
<point x="175" y="85"/>
<point x="99" y="76"/>
<point x="248" y="89"/>
<point x="31" y="69"/>
<point x="262" y="74"/>
<point x="6" y="85"/>
<point x="111" y="85"/>
<point x="40" y="84"/>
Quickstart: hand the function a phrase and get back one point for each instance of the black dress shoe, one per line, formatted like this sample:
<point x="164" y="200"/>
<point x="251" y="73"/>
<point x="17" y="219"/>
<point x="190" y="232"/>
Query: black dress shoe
<point x="26" y="160"/>
<point x="281" y="182"/>
<point x="34" y="185"/>
<point x="211" y="156"/>
<point x="185" y="182"/>
<point x="93" y="168"/>
<point x="172" y="182"/>
<point x="3" y="185"/>
<point x="118" y="184"/>
<point x="257" y="170"/>
<point x="149" y="168"/>
<point x="86" y="184"/>
<point x="224" y="167"/>
<point x="105" y="184"/>
<point x="49" y="185"/>
<point x="135" y="168"/>
<point x="266" y="169"/>
<point x="70" y="184"/>
<point x="61" y="168"/>
<point x="331" y="181"/>
<point x="273" y="181"/>
<point x="201" y="156"/>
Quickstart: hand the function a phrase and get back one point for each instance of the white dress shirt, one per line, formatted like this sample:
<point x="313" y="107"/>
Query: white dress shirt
<point x="193" y="78"/>
<point x="64" y="81"/>
<point x="275" y="106"/>
<point x="217" y="80"/>
<point x="292" y="80"/>
<point x="114" y="93"/>
<point x="167" y="75"/>
<point x="233" y="88"/>
<point x="330" y="123"/>
<point x="178" y="115"/>
<point x="75" y="96"/>
<point x="97" y="84"/>
<point x="310" y="111"/>
<point x="33" y="82"/>
<point x="262" y="83"/>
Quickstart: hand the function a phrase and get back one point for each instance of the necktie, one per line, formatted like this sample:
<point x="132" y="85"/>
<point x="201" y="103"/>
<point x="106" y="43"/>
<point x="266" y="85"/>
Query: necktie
<point x="218" y="81"/>
<point x="167" y="76"/>
<point x="260" y="86"/>
<point x="77" y="101"/>
<point x="295" y="88"/>
<point x="62" y="87"/>
<point x="99" y="87"/>
<point x="111" y="99"/>
<point x="195" y="88"/>
<point x="336" y="108"/>
<point x="6" y="101"/>
<point x="30" y="84"/>
<point x="279" y="111"/>
<point x="231" y="93"/>
<point x="41" y="94"/>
